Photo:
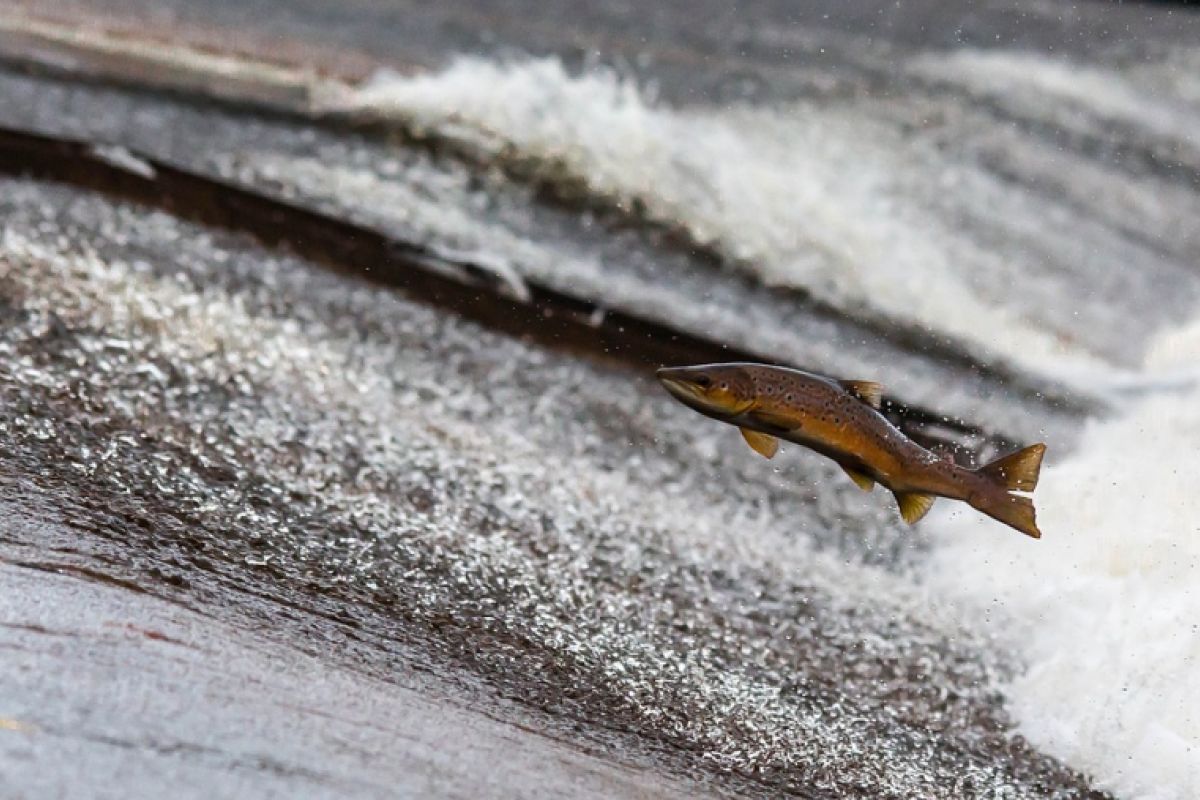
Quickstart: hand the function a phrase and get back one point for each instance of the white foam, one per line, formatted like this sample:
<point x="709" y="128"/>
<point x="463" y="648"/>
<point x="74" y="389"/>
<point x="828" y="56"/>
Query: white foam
<point x="815" y="198"/>
<point x="1106" y="607"/>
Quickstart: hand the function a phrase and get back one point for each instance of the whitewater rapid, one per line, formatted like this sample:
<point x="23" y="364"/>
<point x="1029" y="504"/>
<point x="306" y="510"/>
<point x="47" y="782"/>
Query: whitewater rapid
<point x="1105" y="609"/>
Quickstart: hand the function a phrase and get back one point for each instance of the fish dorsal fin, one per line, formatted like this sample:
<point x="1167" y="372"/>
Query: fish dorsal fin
<point x="1017" y="472"/>
<point x="914" y="505"/>
<point x="869" y="392"/>
<point x="863" y="481"/>
<point x="764" y="444"/>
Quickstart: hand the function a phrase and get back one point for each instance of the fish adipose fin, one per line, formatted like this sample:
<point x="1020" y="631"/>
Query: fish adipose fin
<point x="914" y="505"/>
<point x="863" y="481"/>
<point x="1017" y="472"/>
<point x="764" y="444"/>
<point x="869" y="392"/>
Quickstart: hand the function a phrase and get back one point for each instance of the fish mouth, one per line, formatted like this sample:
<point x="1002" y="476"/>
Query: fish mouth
<point x="681" y="384"/>
<point x="675" y="381"/>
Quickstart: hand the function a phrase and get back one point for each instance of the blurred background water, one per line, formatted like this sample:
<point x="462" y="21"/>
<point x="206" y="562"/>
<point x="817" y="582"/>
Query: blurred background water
<point x="989" y="207"/>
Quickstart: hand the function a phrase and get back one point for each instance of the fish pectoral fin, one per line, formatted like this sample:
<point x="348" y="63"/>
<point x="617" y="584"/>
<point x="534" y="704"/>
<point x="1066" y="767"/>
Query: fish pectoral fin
<point x="914" y="505"/>
<point x="764" y="444"/>
<point x="862" y="480"/>
<point x="780" y="421"/>
<point x="869" y="392"/>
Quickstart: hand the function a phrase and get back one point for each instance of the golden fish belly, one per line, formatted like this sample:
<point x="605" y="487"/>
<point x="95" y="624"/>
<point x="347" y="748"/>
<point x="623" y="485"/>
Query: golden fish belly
<point x="852" y="448"/>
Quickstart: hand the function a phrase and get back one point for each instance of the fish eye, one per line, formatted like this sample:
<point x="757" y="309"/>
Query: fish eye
<point x="703" y="381"/>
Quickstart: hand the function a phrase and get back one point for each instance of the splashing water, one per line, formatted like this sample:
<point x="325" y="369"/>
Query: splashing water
<point x="1105" y="607"/>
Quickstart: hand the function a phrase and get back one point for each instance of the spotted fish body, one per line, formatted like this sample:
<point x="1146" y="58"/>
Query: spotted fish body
<point x="840" y="420"/>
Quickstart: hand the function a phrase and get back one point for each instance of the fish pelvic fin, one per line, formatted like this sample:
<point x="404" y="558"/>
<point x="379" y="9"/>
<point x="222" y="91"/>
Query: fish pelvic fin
<point x="764" y="444"/>
<point x="862" y="480"/>
<point x="914" y="505"/>
<point x="1014" y="510"/>
<point x="869" y="392"/>
<point x="1016" y="472"/>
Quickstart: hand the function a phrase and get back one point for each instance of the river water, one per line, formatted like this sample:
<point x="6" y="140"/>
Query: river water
<point x="999" y="224"/>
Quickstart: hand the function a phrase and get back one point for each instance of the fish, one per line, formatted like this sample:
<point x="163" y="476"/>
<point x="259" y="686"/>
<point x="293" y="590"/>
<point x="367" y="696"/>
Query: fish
<point x="840" y="419"/>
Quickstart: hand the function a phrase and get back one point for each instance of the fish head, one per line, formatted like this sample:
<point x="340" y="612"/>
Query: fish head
<point x="717" y="390"/>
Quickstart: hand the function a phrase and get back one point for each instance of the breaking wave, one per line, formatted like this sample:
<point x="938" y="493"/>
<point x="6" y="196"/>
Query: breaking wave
<point x="838" y="199"/>
<point x="835" y="201"/>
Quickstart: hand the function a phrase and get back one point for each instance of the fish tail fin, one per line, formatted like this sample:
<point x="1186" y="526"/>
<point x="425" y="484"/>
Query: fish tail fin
<point x="1014" y="510"/>
<point x="1016" y="472"/>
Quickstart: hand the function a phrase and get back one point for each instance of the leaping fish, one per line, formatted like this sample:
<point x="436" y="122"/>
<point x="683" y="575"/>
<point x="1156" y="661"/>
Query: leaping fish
<point x="841" y="420"/>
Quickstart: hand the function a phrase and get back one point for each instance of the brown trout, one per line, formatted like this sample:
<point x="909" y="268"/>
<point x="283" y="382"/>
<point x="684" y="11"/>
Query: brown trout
<point x="841" y="420"/>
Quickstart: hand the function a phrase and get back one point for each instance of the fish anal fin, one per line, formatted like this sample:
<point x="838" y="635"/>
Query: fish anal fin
<point x="914" y="505"/>
<point x="1016" y="472"/>
<point x="869" y="392"/>
<point x="764" y="444"/>
<point x="862" y="480"/>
